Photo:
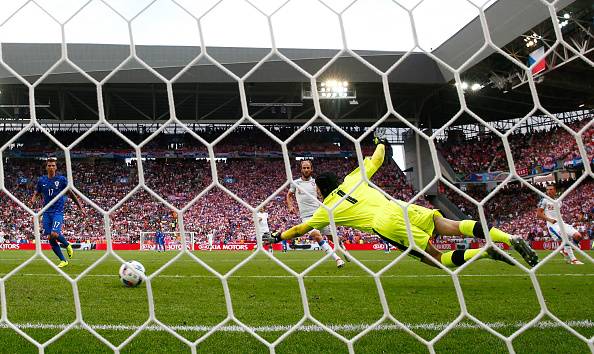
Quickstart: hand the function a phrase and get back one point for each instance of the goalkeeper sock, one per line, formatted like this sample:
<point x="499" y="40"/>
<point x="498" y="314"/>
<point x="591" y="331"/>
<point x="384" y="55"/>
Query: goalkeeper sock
<point x="473" y="228"/>
<point x="326" y="248"/>
<point x="455" y="259"/>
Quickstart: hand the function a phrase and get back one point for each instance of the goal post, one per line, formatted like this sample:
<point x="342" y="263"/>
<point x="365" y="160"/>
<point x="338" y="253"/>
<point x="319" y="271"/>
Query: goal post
<point x="147" y="240"/>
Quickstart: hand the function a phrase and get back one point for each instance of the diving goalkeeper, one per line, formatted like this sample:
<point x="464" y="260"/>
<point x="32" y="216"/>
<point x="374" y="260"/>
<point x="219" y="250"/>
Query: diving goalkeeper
<point x="368" y="210"/>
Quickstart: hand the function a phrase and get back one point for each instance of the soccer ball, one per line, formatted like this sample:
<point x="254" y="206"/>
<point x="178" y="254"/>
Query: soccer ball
<point x="129" y="277"/>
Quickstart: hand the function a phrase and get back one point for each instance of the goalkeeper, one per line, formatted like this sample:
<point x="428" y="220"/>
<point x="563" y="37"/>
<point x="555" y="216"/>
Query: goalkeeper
<point x="368" y="210"/>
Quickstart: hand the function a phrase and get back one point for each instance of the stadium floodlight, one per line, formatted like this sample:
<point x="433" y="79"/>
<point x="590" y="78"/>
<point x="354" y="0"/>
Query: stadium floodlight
<point x="564" y="22"/>
<point x="476" y="87"/>
<point x="330" y="89"/>
<point x="532" y="40"/>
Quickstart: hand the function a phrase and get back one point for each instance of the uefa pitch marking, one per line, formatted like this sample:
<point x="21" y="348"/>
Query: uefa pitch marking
<point x="311" y="328"/>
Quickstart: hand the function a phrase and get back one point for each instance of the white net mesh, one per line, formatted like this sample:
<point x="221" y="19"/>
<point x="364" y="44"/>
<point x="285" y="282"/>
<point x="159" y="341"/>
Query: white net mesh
<point x="147" y="241"/>
<point x="147" y="24"/>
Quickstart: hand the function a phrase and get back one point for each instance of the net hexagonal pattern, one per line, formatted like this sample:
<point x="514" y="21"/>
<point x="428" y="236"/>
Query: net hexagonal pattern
<point x="389" y="320"/>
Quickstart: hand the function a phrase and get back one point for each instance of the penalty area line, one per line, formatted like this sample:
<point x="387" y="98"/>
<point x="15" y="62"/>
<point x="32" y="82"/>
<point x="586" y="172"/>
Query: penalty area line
<point x="310" y="328"/>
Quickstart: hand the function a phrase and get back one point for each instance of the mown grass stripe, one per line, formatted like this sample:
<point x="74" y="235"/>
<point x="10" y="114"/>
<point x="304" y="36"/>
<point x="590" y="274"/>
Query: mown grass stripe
<point x="310" y="328"/>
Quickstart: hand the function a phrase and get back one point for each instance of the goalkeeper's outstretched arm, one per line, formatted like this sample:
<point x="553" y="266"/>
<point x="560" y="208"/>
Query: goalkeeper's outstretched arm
<point x="378" y="156"/>
<point x="381" y="142"/>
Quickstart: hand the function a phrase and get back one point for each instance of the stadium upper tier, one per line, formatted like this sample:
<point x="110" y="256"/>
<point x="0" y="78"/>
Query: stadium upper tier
<point x="241" y="138"/>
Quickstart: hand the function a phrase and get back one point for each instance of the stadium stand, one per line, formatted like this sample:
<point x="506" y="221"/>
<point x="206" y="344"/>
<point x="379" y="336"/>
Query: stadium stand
<point x="107" y="181"/>
<point x="486" y="154"/>
<point x="513" y="209"/>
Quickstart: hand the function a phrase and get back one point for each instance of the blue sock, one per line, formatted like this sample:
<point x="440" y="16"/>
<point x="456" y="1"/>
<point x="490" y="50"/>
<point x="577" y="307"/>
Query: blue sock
<point x="577" y="243"/>
<point x="62" y="240"/>
<point x="321" y="243"/>
<point x="57" y="250"/>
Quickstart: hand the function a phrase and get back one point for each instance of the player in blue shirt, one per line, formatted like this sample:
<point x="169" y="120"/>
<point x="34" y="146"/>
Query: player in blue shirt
<point x="386" y="246"/>
<point x="284" y="245"/>
<point x="49" y="187"/>
<point x="159" y="241"/>
<point x="162" y="239"/>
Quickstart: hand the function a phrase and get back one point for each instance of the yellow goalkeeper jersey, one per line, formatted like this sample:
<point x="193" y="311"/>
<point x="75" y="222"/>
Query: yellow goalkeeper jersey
<point x="359" y="208"/>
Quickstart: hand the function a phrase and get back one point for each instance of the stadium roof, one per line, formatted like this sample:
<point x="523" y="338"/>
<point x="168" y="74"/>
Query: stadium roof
<point x="419" y="87"/>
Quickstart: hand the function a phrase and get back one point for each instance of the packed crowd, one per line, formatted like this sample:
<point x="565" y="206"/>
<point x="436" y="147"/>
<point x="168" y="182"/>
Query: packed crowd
<point x="513" y="209"/>
<point x="221" y="209"/>
<point x="486" y="154"/>
<point x="108" y="182"/>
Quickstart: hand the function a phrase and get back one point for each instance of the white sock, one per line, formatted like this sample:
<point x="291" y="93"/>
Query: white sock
<point x="326" y="248"/>
<point x="569" y="252"/>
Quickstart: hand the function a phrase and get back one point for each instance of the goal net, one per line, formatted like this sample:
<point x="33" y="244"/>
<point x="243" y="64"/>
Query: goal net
<point x="172" y="241"/>
<point x="293" y="301"/>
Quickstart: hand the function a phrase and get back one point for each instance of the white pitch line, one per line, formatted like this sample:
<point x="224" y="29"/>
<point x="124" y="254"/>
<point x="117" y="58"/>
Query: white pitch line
<point x="321" y="276"/>
<point x="310" y="328"/>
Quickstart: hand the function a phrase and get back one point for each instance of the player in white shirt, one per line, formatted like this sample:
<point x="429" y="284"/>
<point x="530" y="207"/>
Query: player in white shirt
<point x="2" y="234"/>
<point x="210" y="238"/>
<point x="308" y="206"/>
<point x="263" y="224"/>
<point x="546" y="211"/>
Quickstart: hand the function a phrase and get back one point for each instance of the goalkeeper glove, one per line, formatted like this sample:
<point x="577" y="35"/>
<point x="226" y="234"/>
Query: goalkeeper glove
<point x="379" y="136"/>
<point x="269" y="238"/>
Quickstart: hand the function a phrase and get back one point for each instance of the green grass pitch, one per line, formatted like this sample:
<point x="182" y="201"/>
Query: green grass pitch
<point x="266" y="298"/>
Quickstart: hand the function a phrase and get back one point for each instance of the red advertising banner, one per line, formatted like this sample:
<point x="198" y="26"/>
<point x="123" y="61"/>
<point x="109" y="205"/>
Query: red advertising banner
<point x="119" y="246"/>
<point x="523" y="171"/>
<point x="230" y="247"/>
<point x="585" y="245"/>
<point x="537" y="245"/>
<point x="23" y="246"/>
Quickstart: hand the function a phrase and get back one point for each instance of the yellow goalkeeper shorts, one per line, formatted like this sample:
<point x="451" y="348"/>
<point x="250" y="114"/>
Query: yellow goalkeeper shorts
<point x="390" y="224"/>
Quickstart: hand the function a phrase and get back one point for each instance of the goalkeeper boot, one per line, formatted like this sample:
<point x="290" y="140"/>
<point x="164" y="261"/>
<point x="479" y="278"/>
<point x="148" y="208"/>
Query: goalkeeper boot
<point x="565" y="257"/>
<point x="339" y="263"/>
<point x="499" y="257"/>
<point x="524" y="250"/>
<point x="62" y="264"/>
<point x="576" y="261"/>
<point x="69" y="251"/>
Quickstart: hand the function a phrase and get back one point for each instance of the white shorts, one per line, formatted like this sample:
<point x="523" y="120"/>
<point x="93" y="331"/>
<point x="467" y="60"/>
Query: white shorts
<point x="325" y="231"/>
<point x="555" y="231"/>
